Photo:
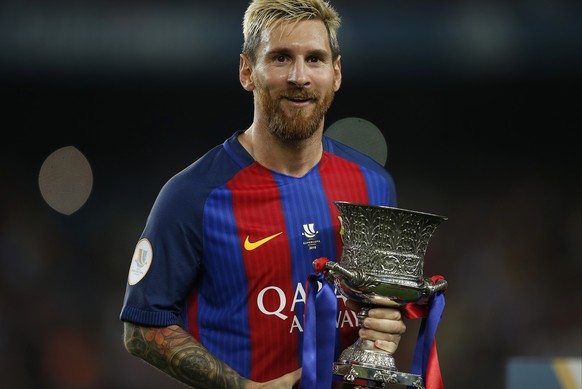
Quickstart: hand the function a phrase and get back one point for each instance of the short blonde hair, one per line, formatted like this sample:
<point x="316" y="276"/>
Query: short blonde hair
<point x="264" y="14"/>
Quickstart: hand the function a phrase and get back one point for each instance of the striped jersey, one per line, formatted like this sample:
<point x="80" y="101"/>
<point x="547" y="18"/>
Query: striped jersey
<point x="228" y="246"/>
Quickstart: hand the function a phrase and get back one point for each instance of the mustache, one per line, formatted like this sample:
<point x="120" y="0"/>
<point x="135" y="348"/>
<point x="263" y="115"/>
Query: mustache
<point x="300" y="95"/>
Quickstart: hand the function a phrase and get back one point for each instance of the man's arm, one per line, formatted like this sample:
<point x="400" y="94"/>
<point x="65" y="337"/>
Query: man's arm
<point x="176" y="353"/>
<point x="172" y="350"/>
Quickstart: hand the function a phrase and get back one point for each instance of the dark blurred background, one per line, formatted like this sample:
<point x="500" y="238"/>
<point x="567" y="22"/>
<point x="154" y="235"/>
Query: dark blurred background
<point x="479" y="101"/>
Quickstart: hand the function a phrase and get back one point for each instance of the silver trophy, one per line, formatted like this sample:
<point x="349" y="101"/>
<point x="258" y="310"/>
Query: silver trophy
<point x="381" y="265"/>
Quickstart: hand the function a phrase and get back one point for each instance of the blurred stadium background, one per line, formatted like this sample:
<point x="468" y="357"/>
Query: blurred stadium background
<point x="480" y="104"/>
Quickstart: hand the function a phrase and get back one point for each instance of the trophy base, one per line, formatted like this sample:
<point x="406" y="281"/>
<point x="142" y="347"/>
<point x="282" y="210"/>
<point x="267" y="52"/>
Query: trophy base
<point x="362" y="376"/>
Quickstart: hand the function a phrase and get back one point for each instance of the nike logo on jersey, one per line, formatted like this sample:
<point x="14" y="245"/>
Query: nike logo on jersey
<point x="249" y="246"/>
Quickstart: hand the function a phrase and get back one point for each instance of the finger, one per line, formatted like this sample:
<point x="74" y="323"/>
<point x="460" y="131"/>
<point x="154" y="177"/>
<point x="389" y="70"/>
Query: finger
<point x="384" y="341"/>
<point x="385" y="313"/>
<point x="384" y="345"/>
<point x="383" y="325"/>
<point x="289" y="380"/>
<point x="373" y="335"/>
<point x="293" y="377"/>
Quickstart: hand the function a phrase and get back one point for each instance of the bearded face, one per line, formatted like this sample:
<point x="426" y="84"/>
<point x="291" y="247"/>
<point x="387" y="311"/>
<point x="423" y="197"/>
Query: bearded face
<point x="291" y="123"/>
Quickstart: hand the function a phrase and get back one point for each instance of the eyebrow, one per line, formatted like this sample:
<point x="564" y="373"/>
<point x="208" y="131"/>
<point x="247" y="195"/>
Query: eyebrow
<point x="311" y="53"/>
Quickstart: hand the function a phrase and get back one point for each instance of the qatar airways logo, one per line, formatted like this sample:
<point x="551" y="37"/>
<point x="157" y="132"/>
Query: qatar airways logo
<point x="344" y="318"/>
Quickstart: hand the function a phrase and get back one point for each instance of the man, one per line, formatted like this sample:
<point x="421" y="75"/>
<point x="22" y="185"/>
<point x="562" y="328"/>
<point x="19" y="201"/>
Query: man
<point x="216" y="288"/>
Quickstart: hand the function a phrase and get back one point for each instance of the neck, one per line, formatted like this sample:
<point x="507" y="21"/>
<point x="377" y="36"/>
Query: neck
<point x="292" y="158"/>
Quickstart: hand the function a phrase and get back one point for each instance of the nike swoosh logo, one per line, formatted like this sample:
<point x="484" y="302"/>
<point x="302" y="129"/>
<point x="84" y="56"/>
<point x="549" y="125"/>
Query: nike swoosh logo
<point x="249" y="246"/>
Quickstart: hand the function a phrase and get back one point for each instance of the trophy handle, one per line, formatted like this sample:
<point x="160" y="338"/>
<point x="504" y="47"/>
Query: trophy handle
<point x="328" y="268"/>
<point x="434" y="287"/>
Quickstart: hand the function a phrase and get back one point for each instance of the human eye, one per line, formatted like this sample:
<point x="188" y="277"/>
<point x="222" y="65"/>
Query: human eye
<point x="318" y="56"/>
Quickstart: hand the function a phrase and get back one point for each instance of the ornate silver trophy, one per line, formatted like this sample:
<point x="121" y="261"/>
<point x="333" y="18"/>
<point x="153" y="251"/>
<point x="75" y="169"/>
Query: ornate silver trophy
<point x="381" y="265"/>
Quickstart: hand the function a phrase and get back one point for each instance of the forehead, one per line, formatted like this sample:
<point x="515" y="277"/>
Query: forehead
<point x="295" y="35"/>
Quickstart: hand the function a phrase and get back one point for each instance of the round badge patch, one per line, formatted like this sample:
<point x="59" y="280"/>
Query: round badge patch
<point x="141" y="261"/>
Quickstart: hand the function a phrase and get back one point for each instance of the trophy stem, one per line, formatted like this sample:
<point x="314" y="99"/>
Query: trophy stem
<point x="366" y="366"/>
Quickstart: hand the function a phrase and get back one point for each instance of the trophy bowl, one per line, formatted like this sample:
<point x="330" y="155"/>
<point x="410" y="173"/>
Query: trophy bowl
<point x="381" y="264"/>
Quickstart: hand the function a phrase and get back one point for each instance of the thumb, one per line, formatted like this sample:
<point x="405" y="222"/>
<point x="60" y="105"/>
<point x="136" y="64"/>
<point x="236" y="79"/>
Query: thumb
<point x="294" y="377"/>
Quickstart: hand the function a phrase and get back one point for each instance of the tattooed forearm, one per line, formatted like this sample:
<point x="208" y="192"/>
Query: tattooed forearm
<point x="175" y="352"/>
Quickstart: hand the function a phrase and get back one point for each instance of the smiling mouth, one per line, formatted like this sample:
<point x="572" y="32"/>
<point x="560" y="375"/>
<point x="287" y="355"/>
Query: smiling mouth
<point x="299" y="99"/>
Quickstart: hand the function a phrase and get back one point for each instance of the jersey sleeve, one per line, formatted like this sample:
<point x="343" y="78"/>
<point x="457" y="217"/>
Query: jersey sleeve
<point x="160" y="280"/>
<point x="167" y="262"/>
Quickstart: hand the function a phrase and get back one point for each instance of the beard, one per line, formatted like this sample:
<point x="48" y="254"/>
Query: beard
<point x="294" y="124"/>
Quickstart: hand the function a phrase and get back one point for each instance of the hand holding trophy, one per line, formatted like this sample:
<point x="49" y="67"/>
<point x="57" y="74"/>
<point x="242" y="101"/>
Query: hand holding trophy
<point x="381" y="264"/>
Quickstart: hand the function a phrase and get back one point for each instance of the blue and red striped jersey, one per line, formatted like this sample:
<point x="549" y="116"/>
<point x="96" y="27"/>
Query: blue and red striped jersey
<point x="232" y="244"/>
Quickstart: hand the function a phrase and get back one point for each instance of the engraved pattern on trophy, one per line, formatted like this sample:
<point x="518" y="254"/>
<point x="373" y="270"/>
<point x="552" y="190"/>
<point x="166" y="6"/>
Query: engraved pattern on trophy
<point x="385" y="242"/>
<point x="383" y="376"/>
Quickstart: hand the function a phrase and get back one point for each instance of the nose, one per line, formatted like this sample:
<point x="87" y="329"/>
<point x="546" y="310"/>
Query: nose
<point x="298" y="74"/>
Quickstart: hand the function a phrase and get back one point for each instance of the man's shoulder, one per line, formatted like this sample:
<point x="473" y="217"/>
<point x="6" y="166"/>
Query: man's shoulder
<point x="352" y="154"/>
<point x="213" y="169"/>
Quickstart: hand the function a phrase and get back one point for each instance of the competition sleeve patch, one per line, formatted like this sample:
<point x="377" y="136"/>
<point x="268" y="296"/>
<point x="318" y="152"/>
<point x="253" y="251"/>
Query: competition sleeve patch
<point x="141" y="261"/>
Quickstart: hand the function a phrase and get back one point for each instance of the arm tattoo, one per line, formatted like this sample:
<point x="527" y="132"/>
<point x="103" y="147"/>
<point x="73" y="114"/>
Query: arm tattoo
<point x="175" y="352"/>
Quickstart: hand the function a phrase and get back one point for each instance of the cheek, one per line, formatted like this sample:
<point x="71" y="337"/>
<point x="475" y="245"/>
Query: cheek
<point x="327" y="81"/>
<point x="266" y="83"/>
<point x="275" y="81"/>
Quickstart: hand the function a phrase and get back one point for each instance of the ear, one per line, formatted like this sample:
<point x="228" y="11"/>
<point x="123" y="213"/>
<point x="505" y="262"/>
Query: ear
<point x="245" y="71"/>
<point x="337" y="74"/>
